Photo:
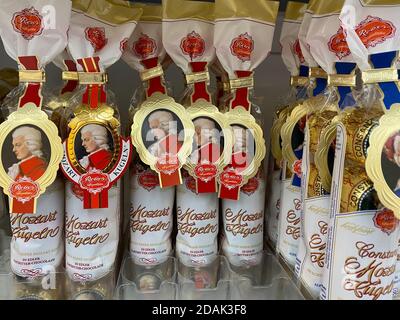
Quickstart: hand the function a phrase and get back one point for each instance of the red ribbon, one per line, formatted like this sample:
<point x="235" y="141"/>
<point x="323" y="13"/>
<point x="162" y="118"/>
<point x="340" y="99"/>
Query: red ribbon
<point x="241" y="96"/>
<point x="32" y="92"/>
<point x="229" y="194"/>
<point x="200" y="88"/>
<point x="93" y="95"/>
<point x="155" y="84"/>
<point x="71" y="85"/>
<point x="200" y="92"/>
<point x="206" y="186"/>
<point x="240" y="99"/>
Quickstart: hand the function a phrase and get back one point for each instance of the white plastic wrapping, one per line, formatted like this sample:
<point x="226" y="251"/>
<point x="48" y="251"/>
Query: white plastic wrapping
<point x="189" y="40"/>
<point x="244" y="224"/>
<point x="328" y="45"/>
<point x="292" y="55"/>
<point x="197" y="224"/>
<point x="91" y="236"/>
<point x="145" y="43"/>
<point x="89" y="37"/>
<point x="370" y="29"/>
<point x="37" y="245"/>
<point x="304" y="45"/>
<point x="34" y="28"/>
<point x="258" y="35"/>
<point x="151" y="217"/>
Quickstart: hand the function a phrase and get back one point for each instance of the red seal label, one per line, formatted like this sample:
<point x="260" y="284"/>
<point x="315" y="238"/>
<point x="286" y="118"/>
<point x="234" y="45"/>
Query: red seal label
<point x="338" y="44"/>
<point x="24" y="190"/>
<point x="206" y="171"/>
<point x="230" y="179"/>
<point x="193" y="45"/>
<point x="372" y="31"/>
<point x="297" y="168"/>
<point x="242" y="47"/>
<point x="168" y="164"/>
<point x="297" y="51"/>
<point x="28" y="23"/>
<point x="94" y="181"/>
<point x="250" y="187"/>
<point x="144" y="47"/>
<point x="148" y="180"/>
<point x="385" y="221"/>
<point x="123" y="45"/>
<point x="97" y="37"/>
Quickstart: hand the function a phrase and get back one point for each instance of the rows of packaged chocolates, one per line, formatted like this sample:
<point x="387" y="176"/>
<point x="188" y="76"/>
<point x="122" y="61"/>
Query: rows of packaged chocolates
<point x="335" y="149"/>
<point x="197" y="186"/>
<point x="63" y="153"/>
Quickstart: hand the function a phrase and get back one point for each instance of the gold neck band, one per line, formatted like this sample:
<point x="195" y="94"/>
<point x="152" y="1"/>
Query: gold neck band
<point x="317" y="73"/>
<point x="380" y="75"/>
<point x="297" y="81"/>
<point x="32" y="76"/>
<point x="152" y="73"/>
<point x="342" y="80"/>
<point x="86" y="78"/>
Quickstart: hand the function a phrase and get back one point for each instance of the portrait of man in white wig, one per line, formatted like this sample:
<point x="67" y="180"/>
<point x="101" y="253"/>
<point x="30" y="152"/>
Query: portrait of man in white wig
<point x="206" y="140"/>
<point x="96" y="144"/>
<point x="27" y="147"/>
<point x="242" y="152"/>
<point x="163" y="133"/>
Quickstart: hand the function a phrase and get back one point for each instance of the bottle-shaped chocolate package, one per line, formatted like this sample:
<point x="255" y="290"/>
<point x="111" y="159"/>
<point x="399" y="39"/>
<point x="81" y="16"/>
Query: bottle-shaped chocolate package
<point x="96" y="155"/>
<point x="30" y="146"/>
<point x="293" y="134"/>
<point x="294" y="61"/>
<point x="188" y="39"/>
<point x="340" y="95"/>
<point x="243" y="39"/>
<point x="151" y="207"/>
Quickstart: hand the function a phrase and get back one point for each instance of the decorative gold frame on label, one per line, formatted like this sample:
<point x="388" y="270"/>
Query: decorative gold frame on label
<point x="328" y="135"/>
<point x="389" y="124"/>
<point x="30" y="114"/>
<point x="84" y="115"/>
<point x="276" y="148"/>
<point x="242" y="117"/>
<point x="200" y="109"/>
<point x="160" y="101"/>
<point x="297" y="113"/>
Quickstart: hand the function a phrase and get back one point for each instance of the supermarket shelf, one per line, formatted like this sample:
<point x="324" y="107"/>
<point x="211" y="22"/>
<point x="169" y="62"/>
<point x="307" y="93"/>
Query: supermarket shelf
<point x="270" y="280"/>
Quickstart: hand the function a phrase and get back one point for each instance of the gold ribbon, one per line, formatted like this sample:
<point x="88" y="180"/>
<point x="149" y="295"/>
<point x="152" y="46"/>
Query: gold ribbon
<point x="373" y="76"/>
<point x="198" y="77"/>
<point x="297" y="81"/>
<point x="342" y="80"/>
<point x="241" y="83"/>
<point x="152" y="73"/>
<point x="32" y="76"/>
<point x="316" y="72"/>
<point x="86" y="78"/>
